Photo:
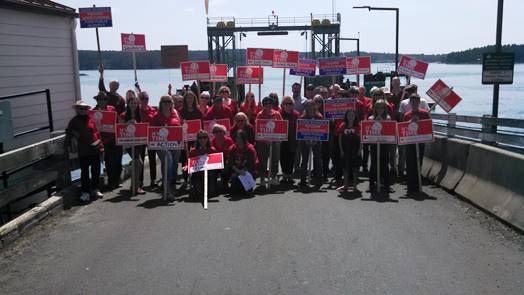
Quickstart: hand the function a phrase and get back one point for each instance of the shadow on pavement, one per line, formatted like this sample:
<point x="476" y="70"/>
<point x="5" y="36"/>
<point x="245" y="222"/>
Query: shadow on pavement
<point x="350" y="195"/>
<point x="154" y="203"/>
<point x="421" y="196"/>
<point x="123" y="195"/>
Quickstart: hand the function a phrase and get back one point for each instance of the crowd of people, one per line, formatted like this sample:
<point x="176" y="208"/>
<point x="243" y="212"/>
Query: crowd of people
<point x="343" y="157"/>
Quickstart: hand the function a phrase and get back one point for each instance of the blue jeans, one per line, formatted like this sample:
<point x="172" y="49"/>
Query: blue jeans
<point x="172" y="157"/>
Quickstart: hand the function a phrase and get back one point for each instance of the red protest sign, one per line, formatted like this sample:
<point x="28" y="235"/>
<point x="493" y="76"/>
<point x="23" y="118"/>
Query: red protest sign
<point x="415" y="132"/>
<point x="373" y="131"/>
<point x="250" y="75"/>
<point x="164" y="138"/>
<point x="271" y="130"/>
<point x="190" y="129"/>
<point x="133" y="42"/>
<point x="105" y="120"/>
<point x="412" y="67"/>
<point x="195" y="70"/>
<point x="217" y="73"/>
<point x="208" y="126"/>
<point x="444" y="96"/>
<point x="336" y="108"/>
<point x="259" y="57"/>
<point x="358" y="65"/>
<point x="285" y="59"/>
<point x="131" y="133"/>
<point x="206" y="162"/>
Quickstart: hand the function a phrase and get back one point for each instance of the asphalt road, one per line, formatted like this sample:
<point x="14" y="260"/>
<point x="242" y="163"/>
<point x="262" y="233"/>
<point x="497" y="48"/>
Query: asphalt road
<point x="282" y="243"/>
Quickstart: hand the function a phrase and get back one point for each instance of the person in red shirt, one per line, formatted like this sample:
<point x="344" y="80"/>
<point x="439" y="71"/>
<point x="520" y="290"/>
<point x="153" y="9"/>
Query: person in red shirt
<point x="190" y="111"/>
<point x="203" y="105"/>
<point x="310" y="112"/>
<point x="221" y="143"/>
<point x="89" y="147"/>
<point x="202" y="147"/>
<point x="415" y="114"/>
<point x="276" y="105"/>
<point x="379" y="114"/>
<point x="349" y="146"/>
<point x="288" y="148"/>
<point x="168" y="116"/>
<point x="242" y="158"/>
<point x="250" y="108"/>
<point x="219" y="111"/>
<point x="263" y="147"/>
<point x="112" y="152"/>
<point x="147" y="113"/>
<point x="241" y="123"/>
<point x="229" y="102"/>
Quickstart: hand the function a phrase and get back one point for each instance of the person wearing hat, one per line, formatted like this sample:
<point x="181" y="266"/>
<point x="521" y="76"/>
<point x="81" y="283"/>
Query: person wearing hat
<point x="219" y="110"/>
<point x="82" y="128"/>
<point x="112" y="152"/>
<point x="263" y="147"/>
<point x="115" y="99"/>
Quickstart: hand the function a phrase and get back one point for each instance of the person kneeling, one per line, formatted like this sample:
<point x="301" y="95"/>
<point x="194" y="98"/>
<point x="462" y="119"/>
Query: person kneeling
<point x="203" y="147"/>
<point x="242" y="160"/>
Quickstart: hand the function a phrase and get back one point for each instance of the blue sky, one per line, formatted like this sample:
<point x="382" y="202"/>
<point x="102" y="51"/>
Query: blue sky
<point x="425" y="26"/>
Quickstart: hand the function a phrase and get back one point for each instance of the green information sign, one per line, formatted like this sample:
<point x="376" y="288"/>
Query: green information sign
<point x="497" y="67"/>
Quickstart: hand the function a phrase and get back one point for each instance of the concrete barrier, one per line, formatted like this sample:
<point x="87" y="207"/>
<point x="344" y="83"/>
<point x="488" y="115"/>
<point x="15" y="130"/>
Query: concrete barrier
<point x="433" y="158"/>
<point x="494" y="180"/>
<point x="455" y="160"/>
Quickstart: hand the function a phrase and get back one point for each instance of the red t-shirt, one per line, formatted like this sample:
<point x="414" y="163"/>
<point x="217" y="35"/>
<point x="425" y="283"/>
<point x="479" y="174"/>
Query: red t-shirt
<point x="245" y="158"/>
<point x="194" y="152"/>
<point x="251" y="112"/>
<point x="232" y="105"/>
<point x="224" y="113"/>
<point x="147" y="114"/>
<point x="161" y="120"/>
<point x="224" y="147"/>
<point x="248" y="128"/>
<point x="273" y="115"/>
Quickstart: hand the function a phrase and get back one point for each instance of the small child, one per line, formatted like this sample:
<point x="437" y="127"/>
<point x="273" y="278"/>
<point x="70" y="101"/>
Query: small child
<point x="349" y="144"/>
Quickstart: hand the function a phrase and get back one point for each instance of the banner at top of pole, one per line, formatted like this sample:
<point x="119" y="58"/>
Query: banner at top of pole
<point x="285" y="59"/>
<point x="217" y="73"/>
<point x="358" y="65"/>
<point x="411" y="67"/>
<point x="195" y="70"/>
<point x="133" y="42"/>
<point x="332" y="66"/>
<point x="306" y="68"/>
<point x="259" y="57"/>
<point x="444" y="96"/>
<point x="95" y="17"/>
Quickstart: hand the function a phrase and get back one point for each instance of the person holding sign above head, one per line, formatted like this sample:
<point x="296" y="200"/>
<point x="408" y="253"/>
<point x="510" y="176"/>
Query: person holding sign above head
<point x="349" y="146"/>
<point x="168" y="116"/>
<point x="250" y="108"/>
<point x="147" y="113"/>
<point x="112" y="152"/>
<point x="416" y="113"/>
<point x="229" y="102"/>
<point x="242" y="159"/>
<point x="221" y="143"/>
<point x="379" y="114"/>
<point x="288" y="148"/>
<point x="115" y="99"/>
<point x="89" y="146"/>
<point x="310" y="112"/>
<point x="202" y="147"/>
<point x="242" y="123"/>
<point x="204" y="102"/>
<point x="219" y="110"/>
<point x="264" y="148"/>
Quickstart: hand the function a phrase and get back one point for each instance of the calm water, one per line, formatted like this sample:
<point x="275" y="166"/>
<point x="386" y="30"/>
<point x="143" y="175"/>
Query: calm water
<point x="466" y="80"/>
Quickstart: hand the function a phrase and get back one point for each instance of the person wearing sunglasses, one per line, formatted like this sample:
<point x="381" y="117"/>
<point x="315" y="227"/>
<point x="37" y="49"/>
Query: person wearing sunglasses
<point x="250" y="108"/>
<point x="310" y="112"/>
<point x="221" y="143"/>
<point x="242" y="158"/>
<point x="147" y="113"/>
<point x="288" y="148"/>
<point x="219" y="110"/>
<point x="380" y="113"/>
<point x="89" y="145"/>
<point x="204" y="102"/>
<point x="168" y="116"/>
<point x="202" y="147"/>
<point x="229" y="102"/>
<point x="241" y="123"/>
<point x="112" y="152"/>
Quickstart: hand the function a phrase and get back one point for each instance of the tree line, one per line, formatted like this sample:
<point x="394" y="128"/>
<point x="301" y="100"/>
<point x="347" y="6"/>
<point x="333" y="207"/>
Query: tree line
<point x="88" y="59"/>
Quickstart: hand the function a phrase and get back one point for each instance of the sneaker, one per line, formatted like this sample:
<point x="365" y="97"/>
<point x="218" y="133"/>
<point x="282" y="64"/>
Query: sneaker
<point x="140" y="191"/>
<point x="84" y="197"/>
<point x="342" y="188"/>
<point x="97" y="194"/>
<point x="274" y="181"/>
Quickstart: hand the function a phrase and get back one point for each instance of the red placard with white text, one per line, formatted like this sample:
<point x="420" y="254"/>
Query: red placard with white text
<point x="412" y="67"/>
<point x="271" y="130"/>
<point x="415" y="132"/>
<point x="131" y="133"/>
<point x="208" y="126"/>
<point x="285" y="59"/>
<point x="206" y="162"/>
<point x="195" y="70"/>
<point x="190" y="129"/>
<point x="105" y="120"/>
<point x="133" y="42"/>
<point x="164" y="138"/>
<point x="444" y="96"/>
<point x="217" y="73"/>
<point x="250" y="75"/>
<point x="259" y="57"/>
<point x="384" y="132"/>
<point x="358" y="65"/>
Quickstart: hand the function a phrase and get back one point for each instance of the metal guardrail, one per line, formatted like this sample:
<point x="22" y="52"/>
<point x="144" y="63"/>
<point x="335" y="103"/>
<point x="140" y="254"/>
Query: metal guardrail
<point x="510" y="132"/>
<point x="273" y="20"/>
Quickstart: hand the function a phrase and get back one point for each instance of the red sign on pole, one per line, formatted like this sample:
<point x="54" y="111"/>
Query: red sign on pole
<point x="358" y="65"/>
<point x="195" y="70"/>
<point x="259" y="57"/>
<point x="164" y="138"/>
<point x="208" y="126"/>
<point x="373" y="131"/>
<point x="415" y="132"/>
<point x="217" y="73"/>
<point x="285" y="59"/>
<point x="412" y="67"/>
<point x="131" y="133"/>
<point x="250" y="75"/>
<point x="206" y="162"/>
<point x="190" y="129"/>
<point x="271" y="130"/>
<point x="444" y="96"/>
<point x="133" y="42"/>
<point x="105" y="120"/>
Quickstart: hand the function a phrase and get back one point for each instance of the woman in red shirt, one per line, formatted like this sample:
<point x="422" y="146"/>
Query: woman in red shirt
<point x="380" y="113"/>
<point x="202" y="147"/>
<point x="242" y="159"/>
<point x="311" y="112"/>
<point x="147" y="114"/>
<point x="288" y="148"/>
<point x="168" y="116"/>
<point x="229" y="102"/>
<point x="190" y="111"/>
<point x="221" y="143"/>
<point x="204" y="102"/>
<point x="219" y="111"/>
<point x="249" y="107"/>
<point x="241" y="123"/>
<point x="263" y="147"/>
